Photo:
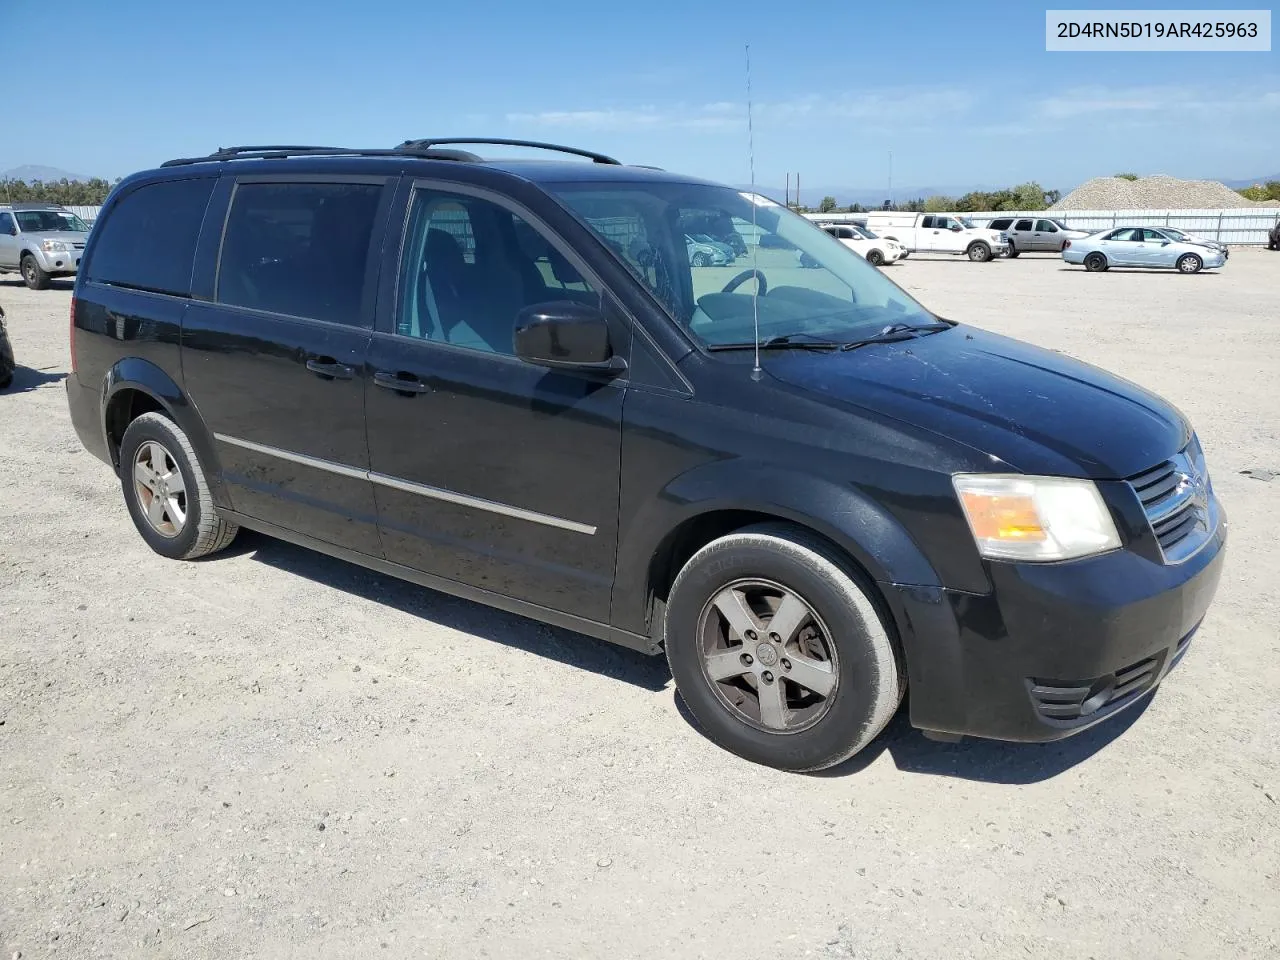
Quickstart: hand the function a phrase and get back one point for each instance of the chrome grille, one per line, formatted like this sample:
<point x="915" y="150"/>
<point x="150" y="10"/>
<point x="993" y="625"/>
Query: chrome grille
<point x="1178" y="500"/>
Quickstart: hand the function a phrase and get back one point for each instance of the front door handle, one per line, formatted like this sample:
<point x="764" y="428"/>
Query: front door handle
<point x="330" y="369"/>
<point x="404" y="383"/>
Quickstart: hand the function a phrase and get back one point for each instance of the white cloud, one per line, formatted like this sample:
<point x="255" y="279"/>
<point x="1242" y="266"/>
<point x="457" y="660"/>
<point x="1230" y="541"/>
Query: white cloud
<point x="879" y="108"/>
<point x="1175" y="100"/>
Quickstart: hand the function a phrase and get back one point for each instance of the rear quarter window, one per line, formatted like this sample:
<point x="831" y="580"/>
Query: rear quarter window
<point x="148" y="239"/>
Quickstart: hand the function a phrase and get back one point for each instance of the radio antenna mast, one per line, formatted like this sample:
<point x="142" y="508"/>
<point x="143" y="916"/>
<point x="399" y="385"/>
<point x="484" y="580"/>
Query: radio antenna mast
<point x="755" y="255"/>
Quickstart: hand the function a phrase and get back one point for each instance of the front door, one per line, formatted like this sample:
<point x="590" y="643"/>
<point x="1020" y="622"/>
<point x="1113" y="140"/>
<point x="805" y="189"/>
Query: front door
<point x="276" y="363"/>
<point x="8" y="240"/>
<point x="488" y="470"/>
<point x="1123" y="247"/>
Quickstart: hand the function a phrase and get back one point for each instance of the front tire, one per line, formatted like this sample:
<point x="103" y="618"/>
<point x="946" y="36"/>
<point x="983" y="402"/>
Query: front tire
<point x="875" y="258"/>
<point x="1189" y="263"/>
<point x="1095" y="263"/>
<point x="700" y="260"/>
<point x="166" y="491"/>
<point x="34" y="275"/>
<point x="799" y="695"/>
<point x="1013" y="251"/>
<point x="979" y="252"/>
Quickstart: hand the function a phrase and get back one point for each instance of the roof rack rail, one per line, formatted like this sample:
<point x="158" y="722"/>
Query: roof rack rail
<point x="591" y="155"/>
<point x="280" y="152"/>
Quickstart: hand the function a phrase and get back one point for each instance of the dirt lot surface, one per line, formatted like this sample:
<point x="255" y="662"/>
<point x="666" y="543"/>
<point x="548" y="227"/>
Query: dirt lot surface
<point x="272" y="754"/>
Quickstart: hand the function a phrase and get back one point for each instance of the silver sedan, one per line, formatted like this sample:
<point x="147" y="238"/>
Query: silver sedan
<point x="1148" y="247"/>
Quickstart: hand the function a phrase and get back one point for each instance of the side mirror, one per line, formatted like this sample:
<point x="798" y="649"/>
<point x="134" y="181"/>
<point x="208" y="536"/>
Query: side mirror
<point x="566" y="335"/>
<point x="956" y="228"/>
<point x="13" y="230"/>
<point x="1165" y="244"/>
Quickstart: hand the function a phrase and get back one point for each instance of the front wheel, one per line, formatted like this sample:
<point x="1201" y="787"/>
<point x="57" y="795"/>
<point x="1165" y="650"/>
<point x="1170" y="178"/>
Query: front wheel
<point x="1013" y="251"/>
<point x="875" y="258"/>
<point x="166" y="491"/>
<point x="33" y="274"/>
<point x="1095" y="263"/>
<point x="979" y="252"/>
<point x="779" y="651"/>
<point x="1189" y="263"/>
<point x="700" y="260"/>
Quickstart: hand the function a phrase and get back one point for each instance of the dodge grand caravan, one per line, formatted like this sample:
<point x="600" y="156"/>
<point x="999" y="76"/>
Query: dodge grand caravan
<point x="503" y="379"/>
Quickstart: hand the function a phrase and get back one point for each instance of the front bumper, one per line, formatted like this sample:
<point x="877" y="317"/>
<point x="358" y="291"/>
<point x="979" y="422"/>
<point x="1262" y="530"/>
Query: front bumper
<point x="60" y="261"/>
<point x="1054" y="648"/>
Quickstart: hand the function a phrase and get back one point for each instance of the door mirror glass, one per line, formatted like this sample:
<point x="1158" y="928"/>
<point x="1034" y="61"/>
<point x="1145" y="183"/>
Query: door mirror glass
<point x="566" y="335"/>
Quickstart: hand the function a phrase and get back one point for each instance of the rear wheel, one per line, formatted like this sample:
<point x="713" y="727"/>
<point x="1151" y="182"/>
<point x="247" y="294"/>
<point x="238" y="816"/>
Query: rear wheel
<point x="875" y="258"/>
<point x="979" y="252"/>
<point x="1189" y="263"/>
<point x="166" y="491"/>
<point x="33" y="274"/>
<point x="779" y="651"/>
<point x="1095" y="263"/>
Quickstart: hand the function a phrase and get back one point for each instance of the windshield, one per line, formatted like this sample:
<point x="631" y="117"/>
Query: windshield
<point x="864" y="231"/>
<point x="966" y="221"/>
<point x="45" y="221"/>
<point x="808" y="283"/>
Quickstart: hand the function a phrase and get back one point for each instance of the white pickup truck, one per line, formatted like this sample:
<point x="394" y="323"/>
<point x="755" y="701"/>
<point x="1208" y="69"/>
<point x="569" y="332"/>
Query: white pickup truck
<point x="938" y="233"/>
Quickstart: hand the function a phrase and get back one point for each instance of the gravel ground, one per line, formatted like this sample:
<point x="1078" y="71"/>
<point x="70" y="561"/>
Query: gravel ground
<point x="272" y="754"/>
<point x="1157" y="192"/>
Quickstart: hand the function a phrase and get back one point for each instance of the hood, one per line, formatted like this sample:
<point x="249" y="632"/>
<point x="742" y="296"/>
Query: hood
<point x="1038" y="411"/>
<point x="69" y="236"/>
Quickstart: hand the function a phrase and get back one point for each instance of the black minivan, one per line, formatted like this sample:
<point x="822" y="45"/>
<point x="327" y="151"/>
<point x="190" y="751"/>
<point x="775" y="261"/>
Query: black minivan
<point x="503" y="379"/>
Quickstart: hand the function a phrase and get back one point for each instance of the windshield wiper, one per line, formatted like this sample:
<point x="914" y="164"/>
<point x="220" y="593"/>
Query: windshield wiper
<point x="896" y="332"/>
<point x="786" y="341"/>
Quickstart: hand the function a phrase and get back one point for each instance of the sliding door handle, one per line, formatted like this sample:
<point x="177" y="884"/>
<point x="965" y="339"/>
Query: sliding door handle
<point x="329" y="369"/>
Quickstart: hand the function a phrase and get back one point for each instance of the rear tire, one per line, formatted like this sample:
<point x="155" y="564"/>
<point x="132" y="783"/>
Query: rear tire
<point x="33" y="274"/>
<point x="761" y="708"/>
<point x="1095" y="263"/>
<point x="166" y="491"/>
<point x="979" y="252"/>
<point x="1189" y="263"/>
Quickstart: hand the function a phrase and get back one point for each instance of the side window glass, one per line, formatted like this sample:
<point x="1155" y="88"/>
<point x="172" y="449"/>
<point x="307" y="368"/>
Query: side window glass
<point x="1044" y="226"/>
<point x="1022" y="225"/>
<point x="468" y="268"/>
<point x="1152" y="236"/>
<point x="298" y="249"/>
<point x="6" y="225"/>
<point x="148" y="239"/>
<point x="927" y="223"/>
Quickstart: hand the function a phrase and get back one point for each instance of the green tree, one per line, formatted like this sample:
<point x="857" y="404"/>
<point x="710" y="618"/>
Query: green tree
<point x="86" y="193"/>
<point x="828" y="205"/>
<point x="1028" y="196"/>
<point x="855" y="208"/>
<point x="939" y="204"/>
<point x="1126" y="176"/>
<point x="1273" y="189"/>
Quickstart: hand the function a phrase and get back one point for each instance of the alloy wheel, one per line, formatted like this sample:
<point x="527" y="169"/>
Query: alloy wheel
<point x="768" y="656"/>
<point x="161" y="491"/>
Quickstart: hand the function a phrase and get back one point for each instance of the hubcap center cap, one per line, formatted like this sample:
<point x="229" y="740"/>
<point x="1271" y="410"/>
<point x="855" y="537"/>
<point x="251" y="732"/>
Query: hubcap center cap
<point x="766" y="654"/>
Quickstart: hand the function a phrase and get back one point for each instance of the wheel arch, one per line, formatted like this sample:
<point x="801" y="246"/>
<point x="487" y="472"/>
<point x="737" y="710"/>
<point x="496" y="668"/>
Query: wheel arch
<point x="714" y="501"/>
<point x="134" y="386"/>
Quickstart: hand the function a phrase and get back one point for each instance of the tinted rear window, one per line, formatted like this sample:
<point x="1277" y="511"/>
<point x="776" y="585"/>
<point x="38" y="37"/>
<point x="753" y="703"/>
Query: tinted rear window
<point x="148" y="240"/>
<point x="298" y="249"/>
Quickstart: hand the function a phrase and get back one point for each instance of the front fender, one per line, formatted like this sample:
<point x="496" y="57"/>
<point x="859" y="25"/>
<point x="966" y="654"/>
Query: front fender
<point x="134" y="373"/>
<point x="838" y="511"/>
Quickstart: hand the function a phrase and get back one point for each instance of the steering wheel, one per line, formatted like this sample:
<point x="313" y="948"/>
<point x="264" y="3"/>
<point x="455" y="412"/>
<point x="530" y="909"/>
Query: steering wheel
<point x="743" y="277"/>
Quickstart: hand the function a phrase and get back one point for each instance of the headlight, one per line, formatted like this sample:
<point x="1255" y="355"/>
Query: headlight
<point x="1015" y="517"/>
<point x="54" y="246"/>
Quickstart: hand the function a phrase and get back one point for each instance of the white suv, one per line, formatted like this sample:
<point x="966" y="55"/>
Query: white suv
<point x="877" y="251"/>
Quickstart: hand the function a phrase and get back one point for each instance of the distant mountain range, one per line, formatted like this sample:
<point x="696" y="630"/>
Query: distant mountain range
<point x="1241" y="184"/>
<point x="32" y="172"/>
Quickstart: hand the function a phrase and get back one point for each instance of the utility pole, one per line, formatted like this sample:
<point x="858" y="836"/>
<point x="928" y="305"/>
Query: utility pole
<point x="890" y="176"/>
<point x="797" y="189"/>
<point x="787" y="199"/>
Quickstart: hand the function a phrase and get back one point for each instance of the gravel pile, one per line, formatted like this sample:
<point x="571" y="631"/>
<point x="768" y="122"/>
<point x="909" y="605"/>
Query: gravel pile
<point x="1151" y="193"/>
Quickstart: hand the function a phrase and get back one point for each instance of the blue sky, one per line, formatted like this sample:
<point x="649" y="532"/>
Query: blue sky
<point x="961" y="94"/>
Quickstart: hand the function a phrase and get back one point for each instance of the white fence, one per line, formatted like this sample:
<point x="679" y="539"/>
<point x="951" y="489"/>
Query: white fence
<point x="87" y="214"/>
<point x="1237" y="226"/>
